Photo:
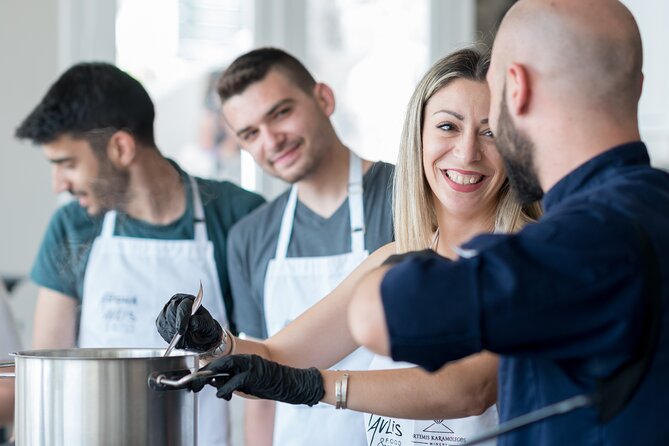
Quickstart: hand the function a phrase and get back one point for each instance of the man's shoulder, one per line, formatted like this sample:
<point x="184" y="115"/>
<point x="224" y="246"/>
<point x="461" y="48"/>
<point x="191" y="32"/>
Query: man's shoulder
<point x="379" y="175"/>
<point x="227" y="201"/>
<point x="221" y="190"/>
<point x="380" y="169"/>
<point x="73" y="220"/>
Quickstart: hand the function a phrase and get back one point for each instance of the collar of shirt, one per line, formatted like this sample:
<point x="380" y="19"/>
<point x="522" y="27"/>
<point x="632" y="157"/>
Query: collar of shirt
<point x="598" y="169"/>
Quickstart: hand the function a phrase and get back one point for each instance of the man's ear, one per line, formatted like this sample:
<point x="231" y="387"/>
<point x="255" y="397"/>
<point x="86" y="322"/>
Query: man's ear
<point x="518" y="89"/>
<point x="121" y="149"/>
<point x="325" y="98"/>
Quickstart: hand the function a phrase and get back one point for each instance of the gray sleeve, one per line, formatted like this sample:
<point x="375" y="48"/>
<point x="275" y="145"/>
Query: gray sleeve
<point x="248" y="309"/>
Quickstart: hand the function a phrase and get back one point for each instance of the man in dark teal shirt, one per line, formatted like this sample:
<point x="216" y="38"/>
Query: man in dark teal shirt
<point x="140" y="229"/>
<point x="577" y="298"/>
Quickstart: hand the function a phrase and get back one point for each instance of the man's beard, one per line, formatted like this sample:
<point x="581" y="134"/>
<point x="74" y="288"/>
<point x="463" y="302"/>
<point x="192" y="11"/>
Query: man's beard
<point x="110" y="189"/>
<point x="517" y="151"/>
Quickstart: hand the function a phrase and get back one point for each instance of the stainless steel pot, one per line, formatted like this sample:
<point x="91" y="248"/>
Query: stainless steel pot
<point x="104" y="397"/>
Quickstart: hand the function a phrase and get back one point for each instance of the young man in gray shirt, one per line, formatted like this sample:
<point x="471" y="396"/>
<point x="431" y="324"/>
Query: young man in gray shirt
<point x="288" y="254"/>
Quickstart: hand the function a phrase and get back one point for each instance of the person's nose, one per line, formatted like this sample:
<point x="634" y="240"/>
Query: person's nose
<point x="59" y="180"/>
<point x="468" y="148"/>
<point x="272" y="139"/>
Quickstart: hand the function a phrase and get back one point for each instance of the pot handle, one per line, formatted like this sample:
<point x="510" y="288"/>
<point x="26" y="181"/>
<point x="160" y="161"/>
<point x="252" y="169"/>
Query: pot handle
<point x="6" y="365"/>
<point x="179" y="380"/>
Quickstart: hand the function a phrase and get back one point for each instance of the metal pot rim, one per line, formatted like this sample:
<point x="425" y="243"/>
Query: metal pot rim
<point x="121" y="354"/>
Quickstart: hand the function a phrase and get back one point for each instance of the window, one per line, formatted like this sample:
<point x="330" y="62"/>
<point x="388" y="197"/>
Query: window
<point x="177" y="49"/>
<point x="372" y="53"/>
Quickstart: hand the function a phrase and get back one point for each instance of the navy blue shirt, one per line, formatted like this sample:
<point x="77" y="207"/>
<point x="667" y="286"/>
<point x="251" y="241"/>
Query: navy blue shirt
<point x="562" y="300"/>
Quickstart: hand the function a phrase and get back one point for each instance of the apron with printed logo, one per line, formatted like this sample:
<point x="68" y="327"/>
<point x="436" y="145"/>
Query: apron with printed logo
<point x="126" y="284"/>
<point x="383" y="431"/>
<point x="292" y="285"/>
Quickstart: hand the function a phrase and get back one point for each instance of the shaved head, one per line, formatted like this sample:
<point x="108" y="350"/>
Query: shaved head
<point x="565" y="81"/>
<point x="587" y="52"/>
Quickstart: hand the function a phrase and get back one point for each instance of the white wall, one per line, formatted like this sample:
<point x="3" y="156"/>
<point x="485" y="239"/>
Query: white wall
<point x="29" y="46"/>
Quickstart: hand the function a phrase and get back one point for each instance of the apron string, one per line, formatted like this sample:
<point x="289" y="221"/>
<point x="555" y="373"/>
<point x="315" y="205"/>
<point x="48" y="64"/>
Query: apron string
<point x="199" y="223"/>
<point x="355" y="204"/>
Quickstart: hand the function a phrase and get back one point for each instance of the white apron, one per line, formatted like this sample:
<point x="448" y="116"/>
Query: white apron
<point x="126" y="284"/>
<point x="292" y="285"/>
<point x="382" y="431"/>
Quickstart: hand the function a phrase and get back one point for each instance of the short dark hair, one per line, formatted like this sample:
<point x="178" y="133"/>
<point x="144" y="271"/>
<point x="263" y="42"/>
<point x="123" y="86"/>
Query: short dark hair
<point x="91" y="96"/>
<point x="254" y="66"/>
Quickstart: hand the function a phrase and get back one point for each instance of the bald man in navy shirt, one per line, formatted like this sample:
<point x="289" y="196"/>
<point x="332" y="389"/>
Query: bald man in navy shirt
<point x="576" y="298"/>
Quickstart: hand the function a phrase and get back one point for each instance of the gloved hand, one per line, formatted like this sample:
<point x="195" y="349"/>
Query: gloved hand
<point x="199" y="332"/>
<point x="265" y="379"/>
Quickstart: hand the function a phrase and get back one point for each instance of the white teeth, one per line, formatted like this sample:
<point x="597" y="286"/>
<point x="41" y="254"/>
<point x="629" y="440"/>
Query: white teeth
<point x="463" y="179"/>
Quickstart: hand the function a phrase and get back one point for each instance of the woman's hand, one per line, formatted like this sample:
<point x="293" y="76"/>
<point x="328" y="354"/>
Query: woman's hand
<point x="256" y="376"/>
<point x="199" y="332"/>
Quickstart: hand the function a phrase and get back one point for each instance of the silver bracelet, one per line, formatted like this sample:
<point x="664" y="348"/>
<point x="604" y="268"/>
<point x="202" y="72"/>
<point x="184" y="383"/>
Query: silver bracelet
<point x="221" y="349"/>
<point x="341" y="392"/>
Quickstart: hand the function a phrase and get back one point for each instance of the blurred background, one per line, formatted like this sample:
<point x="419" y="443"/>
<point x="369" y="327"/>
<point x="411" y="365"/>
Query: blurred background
<point x="372" y="52"/>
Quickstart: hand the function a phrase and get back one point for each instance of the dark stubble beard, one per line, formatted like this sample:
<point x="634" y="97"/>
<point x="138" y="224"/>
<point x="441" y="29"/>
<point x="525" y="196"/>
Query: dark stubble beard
<point x="110" y="189"/>
<point x="517" y="151"/>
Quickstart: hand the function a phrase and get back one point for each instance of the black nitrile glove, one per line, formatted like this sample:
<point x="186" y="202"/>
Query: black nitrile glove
<point x="199" y="332"/>
<point x="265" y="379"/>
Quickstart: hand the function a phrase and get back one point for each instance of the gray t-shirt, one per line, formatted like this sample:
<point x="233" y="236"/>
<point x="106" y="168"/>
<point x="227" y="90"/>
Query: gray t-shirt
<point x="252" y="242"/>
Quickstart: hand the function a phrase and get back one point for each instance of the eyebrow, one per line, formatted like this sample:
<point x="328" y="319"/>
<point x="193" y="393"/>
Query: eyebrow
<point x="270" y="112"/>
<point x="62" y="160"/>
<point x="458" y="115"/>
<point x="452" y="113"/>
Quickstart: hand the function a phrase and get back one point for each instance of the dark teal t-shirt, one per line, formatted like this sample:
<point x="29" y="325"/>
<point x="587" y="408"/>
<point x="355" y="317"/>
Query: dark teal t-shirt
<point x="63" y="254"/>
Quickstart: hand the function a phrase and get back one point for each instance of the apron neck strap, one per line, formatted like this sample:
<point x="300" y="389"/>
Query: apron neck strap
<point x="108" y="224"/>
<point x="199" y="223"/>
<point x="200" y="226"/>
<point x="355" y="206"/>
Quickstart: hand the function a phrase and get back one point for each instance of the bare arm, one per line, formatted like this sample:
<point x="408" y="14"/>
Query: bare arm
<point x="258" y="422"/>
<point x="366" y="316"/>
<point x="55" y="320"/>
<point x="320" y="336"/>
<point x="463" y="388"/>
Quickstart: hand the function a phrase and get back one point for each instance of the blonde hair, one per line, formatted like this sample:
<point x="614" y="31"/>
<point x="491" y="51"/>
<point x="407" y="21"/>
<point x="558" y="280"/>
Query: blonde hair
<point x="414" y="214"/>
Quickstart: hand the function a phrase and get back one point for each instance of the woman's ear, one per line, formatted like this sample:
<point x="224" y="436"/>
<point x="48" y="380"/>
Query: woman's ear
<point x="121" y="149"/>
<point x="325" y="98"/>
<point x="518" y="89"/>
